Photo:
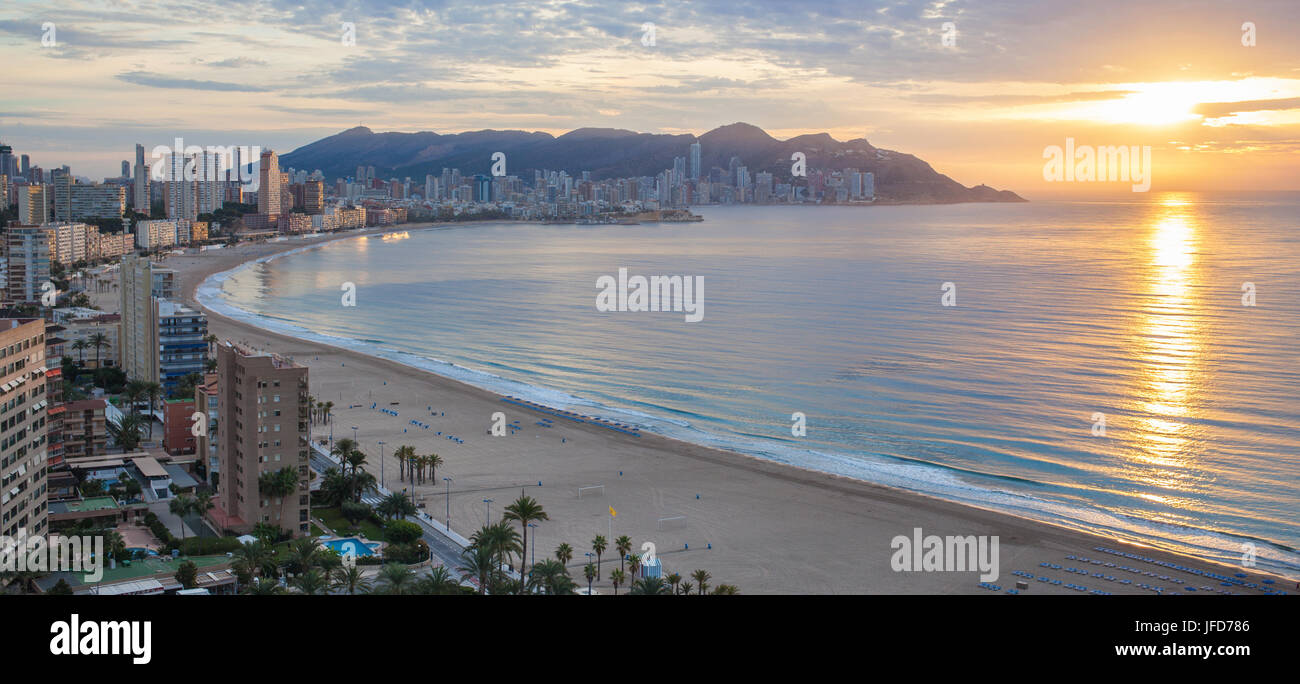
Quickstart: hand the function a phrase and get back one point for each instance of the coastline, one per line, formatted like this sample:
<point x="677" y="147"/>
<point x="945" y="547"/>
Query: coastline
<point x="774" y="528"/>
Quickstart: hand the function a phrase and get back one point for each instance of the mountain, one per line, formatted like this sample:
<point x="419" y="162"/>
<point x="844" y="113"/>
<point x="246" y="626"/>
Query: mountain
<point x="618" y="153"/>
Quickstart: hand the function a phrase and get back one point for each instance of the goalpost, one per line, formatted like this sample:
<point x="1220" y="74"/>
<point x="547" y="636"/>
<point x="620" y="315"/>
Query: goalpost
<point x="672" y="522"/>
<point x="592" y="490"/>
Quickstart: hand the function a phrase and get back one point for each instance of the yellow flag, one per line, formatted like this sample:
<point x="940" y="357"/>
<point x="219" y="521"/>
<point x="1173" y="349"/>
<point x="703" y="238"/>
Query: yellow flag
<point x="612" y="512"/>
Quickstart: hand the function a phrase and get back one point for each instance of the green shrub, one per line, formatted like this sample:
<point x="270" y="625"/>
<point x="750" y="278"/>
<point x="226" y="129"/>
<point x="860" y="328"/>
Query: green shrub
<point x="402" y="532"/>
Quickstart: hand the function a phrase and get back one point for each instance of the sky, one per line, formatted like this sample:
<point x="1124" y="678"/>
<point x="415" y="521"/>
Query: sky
<point x="981" y="89"/>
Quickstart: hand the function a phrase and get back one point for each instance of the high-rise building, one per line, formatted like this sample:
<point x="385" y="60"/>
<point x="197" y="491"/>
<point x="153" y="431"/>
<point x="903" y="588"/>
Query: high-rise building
<point x="264" y="423"/>
<point x="33" y="205"/>
<point x="313" y="196"/>
<point x="126" y="169"/>
<point x="27" y="254"/>
<point x="140" y="196"/>
<point x="26" y="166"/>
<point x="182" y="348"/>
<point x="61" y="184"/>
<point x="23" y="450"/>
<point x="96" y="201"/>
<point x="695" y="160"/>
<point x="268" y="189"/>
<point x="142" y="283"/>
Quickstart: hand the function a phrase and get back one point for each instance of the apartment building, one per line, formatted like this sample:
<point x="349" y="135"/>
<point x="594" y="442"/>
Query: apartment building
<point x="263" y="400"/>
<point x="23" y="405"/>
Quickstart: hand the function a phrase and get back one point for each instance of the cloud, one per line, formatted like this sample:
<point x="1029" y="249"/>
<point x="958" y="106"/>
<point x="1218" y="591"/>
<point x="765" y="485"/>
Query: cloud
<point x="156" y="81"/>
<point x="1217" y="109"/>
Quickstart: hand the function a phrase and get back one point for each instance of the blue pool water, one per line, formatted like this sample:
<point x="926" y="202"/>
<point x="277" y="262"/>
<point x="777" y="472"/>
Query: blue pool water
<point x="352" y="544"/>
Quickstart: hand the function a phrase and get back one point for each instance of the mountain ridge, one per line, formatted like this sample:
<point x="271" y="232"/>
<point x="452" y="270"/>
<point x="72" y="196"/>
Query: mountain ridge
<point x="620" y="153"/>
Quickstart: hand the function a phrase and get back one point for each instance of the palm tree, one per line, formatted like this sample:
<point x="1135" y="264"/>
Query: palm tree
<point x="335" y="488"/>
<point x="589" y="571"/>
<point x="79" y="346"/>
<point x="439" y="582"/>
<point x="479" y="563"/>
<point x="255" y="556"/>
<point x="99" y="340"/>
<point x="502" y="539"/>
<point x="202" y="504"/>
<point x="702" y="577"/>
<point x="634" y="565"/>
<point x="432" y="461"/>
<point x="687" y="588"/>
<point x="303" y="553"/>
<point x="623" y="544"/>
<point x="396" y="579"/>
<point x="180" y="507"/>
<point x="360" y="483"/>
<point x="564" y="554"/>
<point x="153" y="390"/>
<point x="329" y="408"/>
<point x="617" y="577"/>
<point x="133" y="392"/>
<point x="525" y="510"/>
<point x="264" y="588"/>
<point x="342" y="449"/>
<point x="396" y="505"/>
<point x="598" y="545"/>
<point x="126" y="432"/>
<point x="650" y="586"/>
<point x="403" y="456"/>
<point x="312" y="583"/>
<point x="551" y="577"/>
<point x="674" y="579"/>
<point x="725" y="590"/>
<point x="351" y="580"/>
<point x="212" y="344"/>
<point x="278" y="484"/>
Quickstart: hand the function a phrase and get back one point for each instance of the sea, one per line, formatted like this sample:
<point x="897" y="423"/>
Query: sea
<point x="1127" y="366"/>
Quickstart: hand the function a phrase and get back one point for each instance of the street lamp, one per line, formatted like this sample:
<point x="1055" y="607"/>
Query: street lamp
<point x="489" y="510"/>
<point x="448" y="481"/>
<point x="381" y="465"/>
<point x="354" y="433"/>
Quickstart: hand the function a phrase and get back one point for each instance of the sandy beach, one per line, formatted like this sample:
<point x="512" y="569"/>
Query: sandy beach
<point x="772" y="528"/>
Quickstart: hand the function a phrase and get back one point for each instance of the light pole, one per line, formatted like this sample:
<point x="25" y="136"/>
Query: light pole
<point x="354" y="434"/>
<point x="381" y="465"/>
<point x="448" y="481"/>
<point x="489" y="510"/>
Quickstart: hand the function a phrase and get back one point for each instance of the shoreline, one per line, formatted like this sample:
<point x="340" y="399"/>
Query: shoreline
<point x="820" y="533"/>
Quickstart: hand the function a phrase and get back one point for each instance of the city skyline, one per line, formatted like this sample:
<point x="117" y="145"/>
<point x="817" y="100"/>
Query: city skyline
<point x="980" y="98"/>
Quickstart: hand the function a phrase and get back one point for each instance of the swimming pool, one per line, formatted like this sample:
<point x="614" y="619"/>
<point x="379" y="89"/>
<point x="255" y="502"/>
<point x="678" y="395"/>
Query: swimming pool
<point x="353" y="545"/>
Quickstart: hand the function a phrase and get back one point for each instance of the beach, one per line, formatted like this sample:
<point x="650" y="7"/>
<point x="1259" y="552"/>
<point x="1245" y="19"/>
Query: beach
<point x="761" y="526"/>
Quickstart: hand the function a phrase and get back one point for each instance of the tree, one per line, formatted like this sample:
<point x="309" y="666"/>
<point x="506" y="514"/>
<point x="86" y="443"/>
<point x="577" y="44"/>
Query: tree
<point x="623" y="544"/>
<point x="311" y="582"/>
<point x="278" y="484"/>
<point x="439" y="582"/>
<point x="650" y="586"/>
<point x="525" y="510"/>
<point x="181" y="506"/>
<point x="79" y="346"/>
<point x="403" y="455"/>
<point x="254" y="556"/>
<point x="501" y="539"/>
<point x="702" y="578"/>
<point x="725" y="590"/>
<point x="187" y="574"/>
<point x="617" y="577"/>
<point x="634" y="565"/>
<point x="99" y="340"/>
<point x="396" y="505"/>
<point x="152" y="390"/>
<point x="674" y="579"/>
<point x="598" y="545"/>
<point x="552" y="578"/>
<point x="403" y="532"/>
<point x="134" y="391"/>
<point x="303" y="553"/>
<point x="564" y="553"/>
<point x="351" y="580"/>
<point x="265" y="587"/>
<point x="126" y="431"/>
<point x="354" y="511"/>
<point x="61" y="588"/>
<point x="396" y="579"/>
<point x="334" y="487"/>
<point x="479" y="563"/>
<point x="433" y="461"/>
<point x="589" y="571"/>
